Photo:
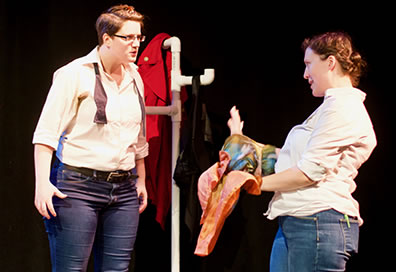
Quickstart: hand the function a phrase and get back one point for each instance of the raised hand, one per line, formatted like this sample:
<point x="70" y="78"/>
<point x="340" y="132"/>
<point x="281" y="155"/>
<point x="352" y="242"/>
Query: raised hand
<point x="234" y="123"/>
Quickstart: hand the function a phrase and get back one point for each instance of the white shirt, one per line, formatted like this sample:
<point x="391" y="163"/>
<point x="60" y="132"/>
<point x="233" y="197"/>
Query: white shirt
<point x="67" y="119"/>
<point x="328" y="147"/>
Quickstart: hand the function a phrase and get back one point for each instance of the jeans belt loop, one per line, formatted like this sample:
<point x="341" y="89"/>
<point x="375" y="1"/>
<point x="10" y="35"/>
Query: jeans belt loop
<point x="94" y="174"/>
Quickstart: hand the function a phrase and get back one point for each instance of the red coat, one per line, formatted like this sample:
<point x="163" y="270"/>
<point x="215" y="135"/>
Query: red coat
<point x="155" y="69"/>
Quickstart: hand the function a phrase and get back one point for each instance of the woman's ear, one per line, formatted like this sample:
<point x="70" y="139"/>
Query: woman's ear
<point x="106" y="40"/>
<point x="332" y="61"/>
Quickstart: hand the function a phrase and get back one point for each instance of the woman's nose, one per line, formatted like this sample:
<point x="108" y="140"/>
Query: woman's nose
<point x="306" y="75"/>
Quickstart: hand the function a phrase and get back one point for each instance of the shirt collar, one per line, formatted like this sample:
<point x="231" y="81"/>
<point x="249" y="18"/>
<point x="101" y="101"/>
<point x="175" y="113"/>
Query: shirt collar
<point x="343" y="91"/>
<point x="93" y="57"/>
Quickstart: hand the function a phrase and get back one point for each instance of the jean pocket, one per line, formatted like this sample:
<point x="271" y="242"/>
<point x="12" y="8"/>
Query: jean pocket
<point x="301" y="228"/>
<point x="350" y="231"/>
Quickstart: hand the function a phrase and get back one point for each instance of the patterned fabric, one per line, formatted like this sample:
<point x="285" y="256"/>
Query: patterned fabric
<point x="242" y="163"/>
<point x="250" y="156"/>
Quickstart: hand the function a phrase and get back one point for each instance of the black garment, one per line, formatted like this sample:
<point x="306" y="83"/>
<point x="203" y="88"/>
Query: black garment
<point x="196" y="156"/>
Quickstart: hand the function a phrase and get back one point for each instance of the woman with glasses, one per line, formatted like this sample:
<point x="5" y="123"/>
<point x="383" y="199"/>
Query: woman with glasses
<point x="314" y="174"/>
<point x="95" y="121"/>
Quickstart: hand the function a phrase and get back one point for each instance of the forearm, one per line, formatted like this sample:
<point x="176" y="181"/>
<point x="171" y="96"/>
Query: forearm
<point x="44" y="189"/>
<point x="42" y="162"/>
<point x="141" y="171"/>
<point x="287" y="180"/>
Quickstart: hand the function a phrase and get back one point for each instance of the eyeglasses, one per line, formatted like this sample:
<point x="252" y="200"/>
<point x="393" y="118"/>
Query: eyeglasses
<point x="132" y="38"/>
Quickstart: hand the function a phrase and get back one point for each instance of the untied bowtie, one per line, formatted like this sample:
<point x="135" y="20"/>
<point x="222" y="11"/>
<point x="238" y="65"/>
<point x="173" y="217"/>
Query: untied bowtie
<point x="100" y="98"/>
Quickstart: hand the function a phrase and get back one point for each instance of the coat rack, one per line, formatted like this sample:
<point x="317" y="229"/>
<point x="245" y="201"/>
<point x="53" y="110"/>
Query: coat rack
<point x="174" y="110"/>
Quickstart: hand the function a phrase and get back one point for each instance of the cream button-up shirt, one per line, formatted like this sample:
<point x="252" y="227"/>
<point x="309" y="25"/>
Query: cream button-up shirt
<point x="329" y="147"/>
<point x="67" y="119"/>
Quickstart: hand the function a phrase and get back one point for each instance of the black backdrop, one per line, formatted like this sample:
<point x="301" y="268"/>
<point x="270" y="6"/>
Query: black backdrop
<point x="255" y="50"/>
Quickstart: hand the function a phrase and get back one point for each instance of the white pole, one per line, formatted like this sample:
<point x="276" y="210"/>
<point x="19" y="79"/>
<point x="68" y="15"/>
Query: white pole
<point x="175" y="47"/>
<point x="177" y="81"/>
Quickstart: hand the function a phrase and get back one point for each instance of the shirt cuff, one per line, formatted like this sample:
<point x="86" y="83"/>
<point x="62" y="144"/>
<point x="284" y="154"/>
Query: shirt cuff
<point x="45" y="140"/>
<point x="312" y="170"/>
<point x="142" y="151"/>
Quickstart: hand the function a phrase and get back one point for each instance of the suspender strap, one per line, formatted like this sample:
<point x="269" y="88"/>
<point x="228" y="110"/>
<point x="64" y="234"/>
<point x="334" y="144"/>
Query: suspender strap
<point x="100" y="98"/>
<point x="142" y="108"/>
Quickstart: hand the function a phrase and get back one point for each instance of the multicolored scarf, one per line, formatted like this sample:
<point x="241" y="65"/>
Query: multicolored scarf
<point x="242" y="164"/>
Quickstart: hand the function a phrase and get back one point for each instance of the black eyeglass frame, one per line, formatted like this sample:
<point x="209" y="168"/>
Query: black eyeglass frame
<point x="131" y="38"/>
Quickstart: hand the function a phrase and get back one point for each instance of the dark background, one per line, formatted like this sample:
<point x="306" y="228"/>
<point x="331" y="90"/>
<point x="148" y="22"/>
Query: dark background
<point x="255" y="50"/>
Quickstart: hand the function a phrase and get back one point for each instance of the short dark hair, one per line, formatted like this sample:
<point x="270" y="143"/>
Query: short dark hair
<point x="112" y="19"/>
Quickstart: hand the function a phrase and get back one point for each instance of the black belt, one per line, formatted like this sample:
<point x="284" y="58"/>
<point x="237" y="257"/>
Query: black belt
<point x="112" y="176"/>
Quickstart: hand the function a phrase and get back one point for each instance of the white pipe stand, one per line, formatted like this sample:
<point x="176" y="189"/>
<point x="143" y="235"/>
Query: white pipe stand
<point x="174" y="110"/>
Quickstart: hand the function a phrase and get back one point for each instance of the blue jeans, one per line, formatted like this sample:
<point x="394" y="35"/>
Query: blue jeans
<point x="96" y="215"/>
<point x="320" y="242"/>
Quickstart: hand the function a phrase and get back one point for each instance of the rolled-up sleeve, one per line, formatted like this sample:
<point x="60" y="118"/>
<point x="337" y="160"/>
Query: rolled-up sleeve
<point x="142" y="147"/>
<point x="58" y="110"/>
<point x="315" y="171"/>
<point x="337" y="129"/>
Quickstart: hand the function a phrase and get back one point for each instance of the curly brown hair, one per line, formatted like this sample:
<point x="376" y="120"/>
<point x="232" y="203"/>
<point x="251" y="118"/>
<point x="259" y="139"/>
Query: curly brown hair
<point x="339" y="45"/>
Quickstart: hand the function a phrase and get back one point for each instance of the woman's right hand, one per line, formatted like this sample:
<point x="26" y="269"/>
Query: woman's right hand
<point x="45" y="190"/>
<point x="43" y="198"/>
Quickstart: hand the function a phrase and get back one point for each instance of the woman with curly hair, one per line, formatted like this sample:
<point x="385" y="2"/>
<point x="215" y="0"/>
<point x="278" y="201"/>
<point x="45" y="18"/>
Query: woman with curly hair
<point x="315" y="170"/>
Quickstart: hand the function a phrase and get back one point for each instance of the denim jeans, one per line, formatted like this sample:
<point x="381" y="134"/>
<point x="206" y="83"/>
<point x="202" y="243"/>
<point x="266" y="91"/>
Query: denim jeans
<point x="321" y="242"/>
<point x="96" y="216"/>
